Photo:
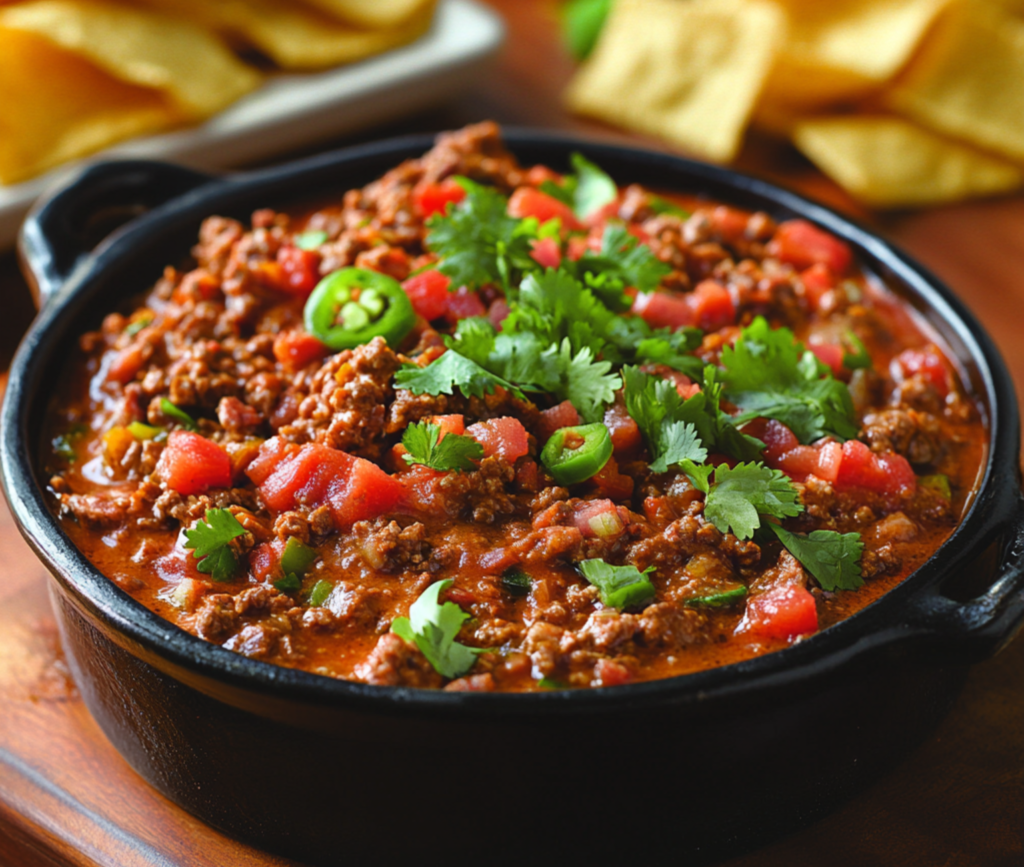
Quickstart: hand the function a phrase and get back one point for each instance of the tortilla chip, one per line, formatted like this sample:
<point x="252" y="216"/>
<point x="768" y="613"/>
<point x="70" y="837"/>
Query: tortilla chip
<point x="689" y="72"/>
<point x="968" y="79"/>
<point x="293" y="36"/>
<point x="188" y="63"/>
<point x="888" y="162"/>
<point x="85" y="109"/>
<point x="374" y="13"/>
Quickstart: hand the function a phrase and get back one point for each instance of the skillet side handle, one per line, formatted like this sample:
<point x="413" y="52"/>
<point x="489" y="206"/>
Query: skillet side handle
<point x="63" y="228"/>
<point x="973" y="631"/>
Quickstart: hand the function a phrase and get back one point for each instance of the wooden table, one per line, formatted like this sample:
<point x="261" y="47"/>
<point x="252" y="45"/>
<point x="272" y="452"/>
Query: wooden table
<point x="66" y="796"/>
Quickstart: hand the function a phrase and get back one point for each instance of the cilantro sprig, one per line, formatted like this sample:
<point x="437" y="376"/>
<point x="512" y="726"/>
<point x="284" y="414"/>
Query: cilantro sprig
<point x="432" y="627"/>
<point x="449" y="372"/>
<point x="833" y="558"/>
<point x="769" y="374"/>
<point x="426" y="446"/>
<point x="479" y="242"/>
<point x="740" y="495"/>
<point x="618" y="586"/>
<point x="209" y="540"/>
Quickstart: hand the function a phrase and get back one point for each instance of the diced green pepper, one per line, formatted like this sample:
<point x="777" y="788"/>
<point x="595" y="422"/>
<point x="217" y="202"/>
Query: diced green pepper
<point x="296" y="557"/>
<point x="938" y="482"/>
<point x="144" y="431"/>
<point x="321" y="590"/>
<point x="289" y="583"/>
<point x="309" y="240"/>
<point x="718" y="600"/>
<point x="179" y="415"/>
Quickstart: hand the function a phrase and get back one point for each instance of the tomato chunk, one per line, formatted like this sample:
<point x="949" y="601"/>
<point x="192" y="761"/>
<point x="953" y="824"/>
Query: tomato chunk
<point x="830" y="354"/>
<point x="599" y="519"/>
<point x="818" y="280"/>
<point x="300" y="270"/>
<point x="625" y="432"/>
<point x="610" y="483"/>
<point x="192" y="464"/>
<point x="546" y="252"/>
<point x="927" y="362"/>
<point x="431" y="198"/>
<point x="463" y="304"/>
<point x="505" y="437"/>
<point x="712" y="305"/>
<point x="296" y="348"/>
<point x="663" y="310"/>
<point x="366" y="493"/>
<point x="884" y="474"/>
<point x="802" y="244"/>
<point x="531" y="202"/>
<point x="450" y="424"/>
<point x="428" y="292"/>
<point x="781" y="613"/>
<point x="562" y="415"/>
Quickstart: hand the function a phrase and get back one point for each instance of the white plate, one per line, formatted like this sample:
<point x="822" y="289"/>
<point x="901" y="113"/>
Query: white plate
<point x="293" y="110"/>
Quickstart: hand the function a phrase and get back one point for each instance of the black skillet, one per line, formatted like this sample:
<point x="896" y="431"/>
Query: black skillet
<point x="690" y="768"/>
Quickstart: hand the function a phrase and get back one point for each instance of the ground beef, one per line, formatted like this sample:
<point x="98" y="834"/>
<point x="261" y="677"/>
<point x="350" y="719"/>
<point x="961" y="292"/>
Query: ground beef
<point x="397" y="662"/>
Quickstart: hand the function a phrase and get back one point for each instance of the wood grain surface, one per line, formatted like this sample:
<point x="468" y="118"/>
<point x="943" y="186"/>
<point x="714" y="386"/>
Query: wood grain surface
<point x="67" y="798"/>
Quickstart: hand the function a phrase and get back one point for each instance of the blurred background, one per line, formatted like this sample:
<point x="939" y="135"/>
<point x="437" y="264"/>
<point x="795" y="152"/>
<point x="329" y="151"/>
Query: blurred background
<point x="907" y="114"/>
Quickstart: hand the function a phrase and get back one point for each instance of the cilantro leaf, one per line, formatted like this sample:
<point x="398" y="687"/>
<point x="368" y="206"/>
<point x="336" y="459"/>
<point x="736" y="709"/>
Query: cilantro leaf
<point x="679" y="442"/>
<point x="448" y="372"/>
<point x="741" y="494"/>
<point x="563" y="192"/>
<point x="587" y="384"/>
<point x="664" y="206"/>
<point x="623" y="259"/>
<point x="209" y="540"/>
<point x="478" y="241"/>
<point x="594" y="188"/>
<point x="833" y="558"/>
<point x="619" y="586"/>
<point x="654" y="403"/>
<point x="582" y="23"/>
<point x="672" y="348"/>
<point x="432" y="627"/>
<point x="769" y="374"/>
<point x="452" y="452"/>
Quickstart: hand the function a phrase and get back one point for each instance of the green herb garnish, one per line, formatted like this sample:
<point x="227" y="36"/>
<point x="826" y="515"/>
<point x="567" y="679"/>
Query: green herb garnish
<point x="145" y="431"/>
<point x="769" y="374"/>
<point x="449" y="372"/>
<point x="209" y="540"/>
<point x="718" y="600"/>
<point x="833" y="558"/>
<point x="859" y="357"/>
<point x="290" y="583"/>
<point x="432" y="627"/>
<point x="740" y="495"/>
<point x="425" y="446"/>
<point x="136" y="325"/>
<point x="516" y="582"/>
<point x="619" y="586"/>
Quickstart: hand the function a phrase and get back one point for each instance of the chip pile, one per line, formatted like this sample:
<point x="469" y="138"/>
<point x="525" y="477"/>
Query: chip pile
<point x="902" y="102"/>
<point x="79" y="75"/>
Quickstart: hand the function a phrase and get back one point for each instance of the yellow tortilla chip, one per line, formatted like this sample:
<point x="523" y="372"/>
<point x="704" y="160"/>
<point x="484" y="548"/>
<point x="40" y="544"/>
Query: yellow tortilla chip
<point x="689" y="72"/>
<point x="85" y="109"/>
<point x="293" y="36"/>
<point x="188" y="63"/>
<point x="888" y="162"/>
<point x="968" y="79"/>
<point x="374" y="13"/>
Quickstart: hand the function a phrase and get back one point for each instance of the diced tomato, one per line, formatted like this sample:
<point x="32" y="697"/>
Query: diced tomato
<point x="927" y="362"/>
<point x="730" y="223"/>
<point x="599" y="519"/>
<point x="598" y="218"/>
<point x="300" y="270"/>
<point x="265" y="560"/>
<point x="536" y="175"/>
<point x="433" y="198"/>
<point x="884" y="474"/>
<point x="818" y="280"/>
<point x="546" y="252"/>
<point x="368" y="492"/>
<point x="611" y="673"/>
<point x="830" y="354"/>
<point x="450" y="424"/>
<point x="712" y="305"/>
<point x="663" y="309"/>
<point x="530" y="202"/>
<point x="460" y="596"/>
<point x="314" y="475"/>
<point x="777" y="438"/>
<point x="423" y="492"/>
<point x="297" y="348"/>
<point x="802" y="244"/>
<point x="562" y="415"/>
<point x="428" y="292"/>
<point x="783" y="451"/>
<point x="781" y="613"/>
<point x="625" y="432"/>
<point x="576" y="246"/>
<point x="528" y="476"/>
<point x="685" y="387"/>
<point x="611" y="483"/>
<point x="178" y="564"/>
<point x="127" y="363"/>
<point x="498" y="312"/>
<point x="192" y="464"/>
<point x="463" y="304"/>
<point x="505" y="437"/>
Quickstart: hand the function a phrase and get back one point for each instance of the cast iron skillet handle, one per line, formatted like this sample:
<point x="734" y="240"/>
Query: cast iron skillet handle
<point x="972" y="631"/>
<point x="65" y="227"/>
